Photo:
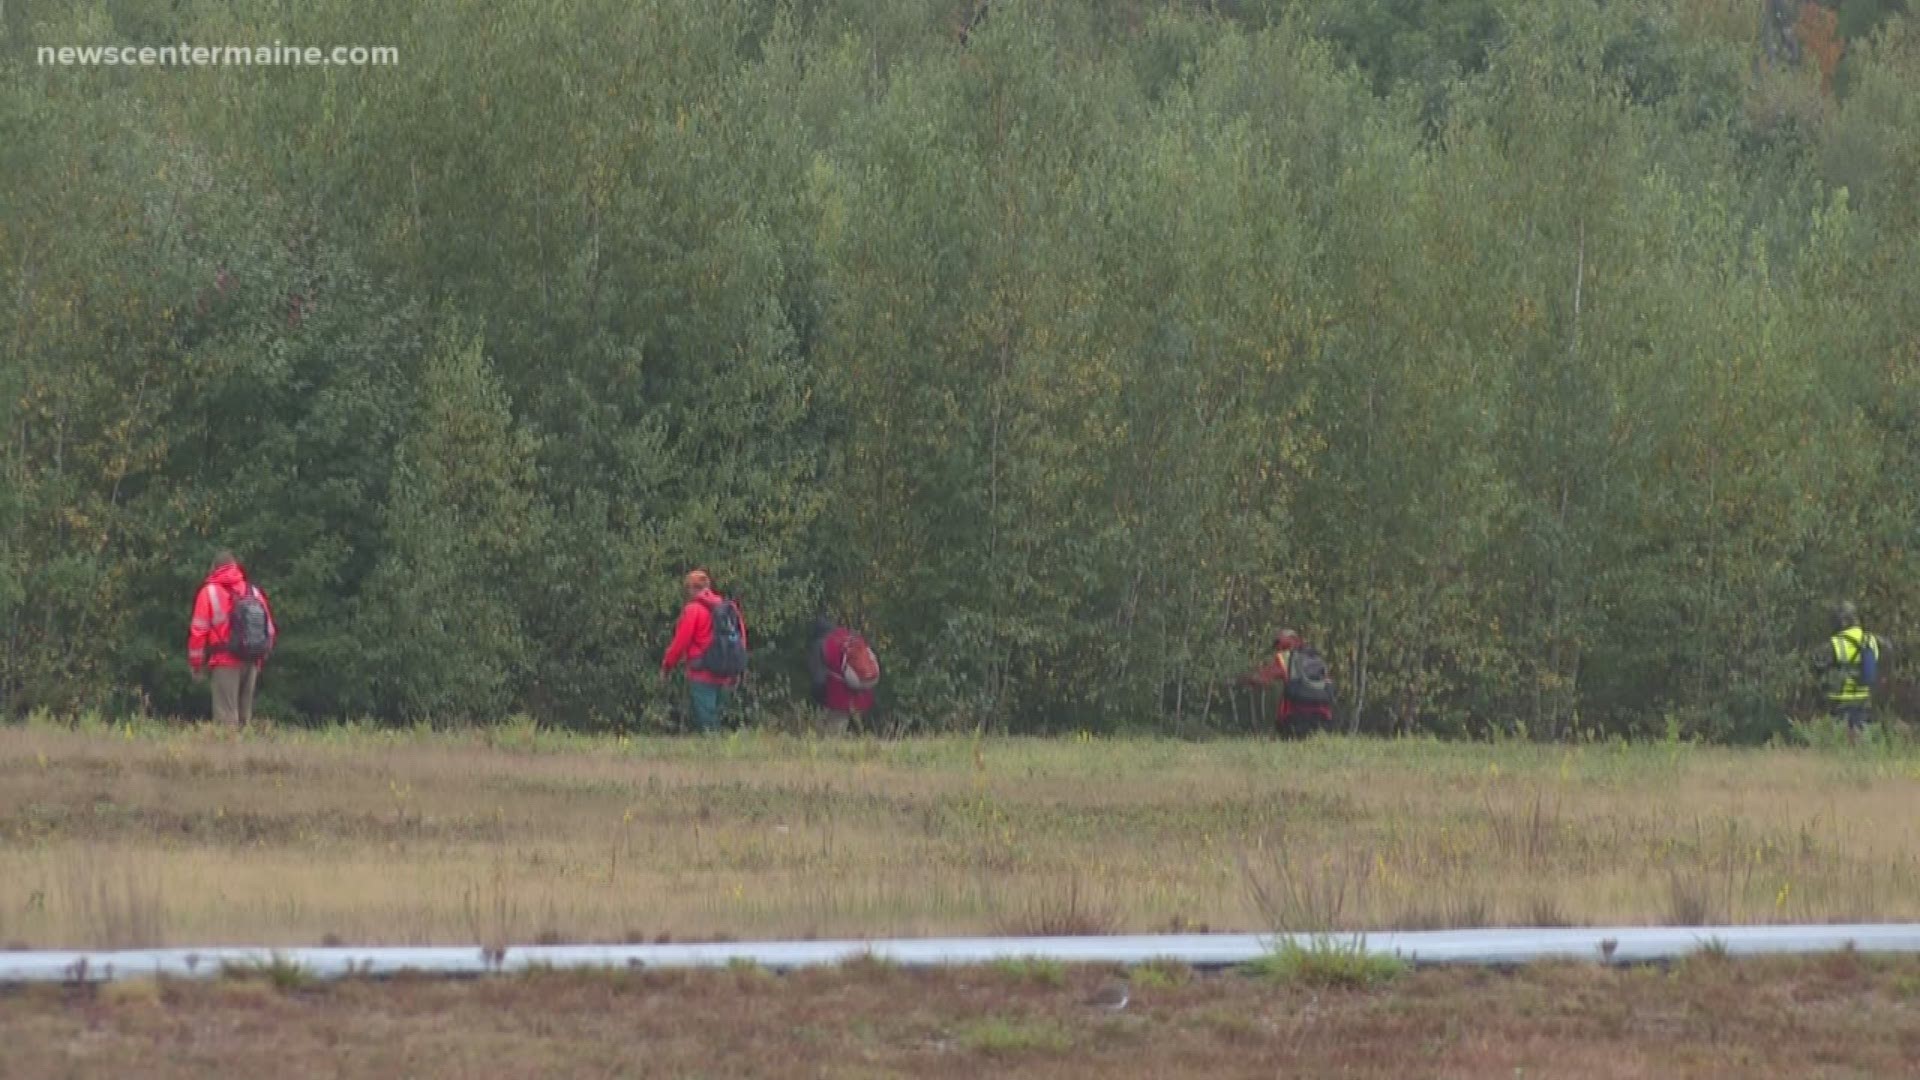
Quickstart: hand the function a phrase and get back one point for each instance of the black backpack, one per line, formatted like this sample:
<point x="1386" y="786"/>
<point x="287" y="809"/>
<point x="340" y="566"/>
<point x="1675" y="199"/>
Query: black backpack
<point x="249" y="630"/>
<point x="1307" y="680"/>
<point x="727" y="655"/>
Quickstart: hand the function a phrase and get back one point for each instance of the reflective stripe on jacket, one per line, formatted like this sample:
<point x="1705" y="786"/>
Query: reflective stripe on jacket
<point x="208" y="633"/>
<point x="1847" y="646"/>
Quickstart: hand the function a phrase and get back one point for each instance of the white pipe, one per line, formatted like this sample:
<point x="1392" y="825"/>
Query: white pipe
<point x="1621" y="945"/>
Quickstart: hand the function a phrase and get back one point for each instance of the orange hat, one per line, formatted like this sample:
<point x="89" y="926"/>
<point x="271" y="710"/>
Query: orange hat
<point x="699" y="579"/>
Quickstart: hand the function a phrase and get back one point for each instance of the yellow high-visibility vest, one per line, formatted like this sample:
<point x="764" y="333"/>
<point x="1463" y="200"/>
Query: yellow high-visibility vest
<point x="1848" y="645"/>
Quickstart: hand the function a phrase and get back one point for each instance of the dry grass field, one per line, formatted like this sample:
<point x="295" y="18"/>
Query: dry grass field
<point x="149" y="834"/>
<point x="1834" y="1016"/>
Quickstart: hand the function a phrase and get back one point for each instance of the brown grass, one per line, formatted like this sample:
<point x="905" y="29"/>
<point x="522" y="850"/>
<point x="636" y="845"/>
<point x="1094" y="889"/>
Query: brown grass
<point x="112" y="896"/>
<point x="1067" y="910"/>
<point x="150" y="834"/>
<point x="1839" y="1015"/>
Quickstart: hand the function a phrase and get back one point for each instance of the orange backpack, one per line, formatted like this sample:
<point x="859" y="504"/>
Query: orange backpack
<point x="859" y="667"/>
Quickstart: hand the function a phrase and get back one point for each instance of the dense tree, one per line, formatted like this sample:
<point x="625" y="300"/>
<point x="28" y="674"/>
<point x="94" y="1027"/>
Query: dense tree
<point x="461" y="522"/>
<point x="1552" y="364"/>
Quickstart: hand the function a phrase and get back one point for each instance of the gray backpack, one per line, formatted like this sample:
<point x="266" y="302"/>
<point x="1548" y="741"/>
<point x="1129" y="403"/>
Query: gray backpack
<point x="727" y="656"/>
<point x="1307" y="680"/>
<point x="249" y="630"/>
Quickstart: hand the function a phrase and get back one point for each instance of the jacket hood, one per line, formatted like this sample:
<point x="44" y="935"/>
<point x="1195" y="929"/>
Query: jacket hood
<point x="227" y="575"/>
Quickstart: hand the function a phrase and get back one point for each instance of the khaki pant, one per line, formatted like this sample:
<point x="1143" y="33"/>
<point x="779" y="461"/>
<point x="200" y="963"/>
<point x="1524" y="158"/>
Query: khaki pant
<point x="233" y="694"/>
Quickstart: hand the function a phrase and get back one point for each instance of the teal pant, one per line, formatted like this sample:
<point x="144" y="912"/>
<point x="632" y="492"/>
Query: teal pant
<point x="709" y="705"/>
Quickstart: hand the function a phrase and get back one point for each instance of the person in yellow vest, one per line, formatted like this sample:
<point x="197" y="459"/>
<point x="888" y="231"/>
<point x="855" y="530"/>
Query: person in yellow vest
<point x="1848" y="667"/>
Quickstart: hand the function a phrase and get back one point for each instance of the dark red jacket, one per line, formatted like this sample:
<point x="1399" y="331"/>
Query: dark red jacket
<point x="694" y="635"/>
<point x="836" y="696"/>
<point x="210" y="630"/>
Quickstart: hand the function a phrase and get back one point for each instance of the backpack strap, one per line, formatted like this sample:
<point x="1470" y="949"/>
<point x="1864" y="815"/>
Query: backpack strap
<point x="1858" y="642"/>
<point x="233" y="598"/>
<point x="728" y="604"/>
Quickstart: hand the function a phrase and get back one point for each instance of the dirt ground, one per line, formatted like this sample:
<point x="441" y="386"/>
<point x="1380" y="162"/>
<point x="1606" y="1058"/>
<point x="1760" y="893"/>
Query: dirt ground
<point x="1837" y="1016"/>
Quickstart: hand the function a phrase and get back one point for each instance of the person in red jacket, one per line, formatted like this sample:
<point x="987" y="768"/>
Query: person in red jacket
<point x="225" y="599"/>
<point x="826" y="665"/>
<point x="1294" y="717"/>
<point x="693" y="637"/>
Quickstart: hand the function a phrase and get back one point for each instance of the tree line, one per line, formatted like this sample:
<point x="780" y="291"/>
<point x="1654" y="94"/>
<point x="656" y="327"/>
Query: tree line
<point x="1552" y="364"/>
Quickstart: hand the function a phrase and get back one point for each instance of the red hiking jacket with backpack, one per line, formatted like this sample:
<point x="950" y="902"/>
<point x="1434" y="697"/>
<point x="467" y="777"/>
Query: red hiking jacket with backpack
<point x="694" y="635"/>
<point x="1291" y="713"/>
<point x="211" y="627"/>
<point x="837" y="696"/>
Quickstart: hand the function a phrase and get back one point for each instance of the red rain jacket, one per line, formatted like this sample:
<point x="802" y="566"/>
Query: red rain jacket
<point x="1275" y="671"/>
<point x="694" y="634"/>
<point x="837" y="696"/>
<point x="208" y="633"/>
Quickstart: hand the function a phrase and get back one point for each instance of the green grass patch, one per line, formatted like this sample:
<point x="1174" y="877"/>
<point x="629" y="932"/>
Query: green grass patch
<point x="1160" y="975"/>
<point x="280" y="972"/>
<point x="1001" y="1035"/>
<point x="747" y="972"/>
<point x="1338" y="963"/>
<point x="1032" y="969"/>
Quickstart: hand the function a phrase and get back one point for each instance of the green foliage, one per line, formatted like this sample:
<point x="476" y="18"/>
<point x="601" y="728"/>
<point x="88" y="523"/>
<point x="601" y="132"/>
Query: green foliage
<point x="1545" y="362"/>
<point x="1032" y="969"/>
<point x="461" y="524"/>
<point x="1327" y="962"/>
<point x="1160" y="975"/>
<point x="1859" y="19"/>
<point x="280" y="972"/>
<point x="1422" y="43"/>
<point x="1009" y="1036"/>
